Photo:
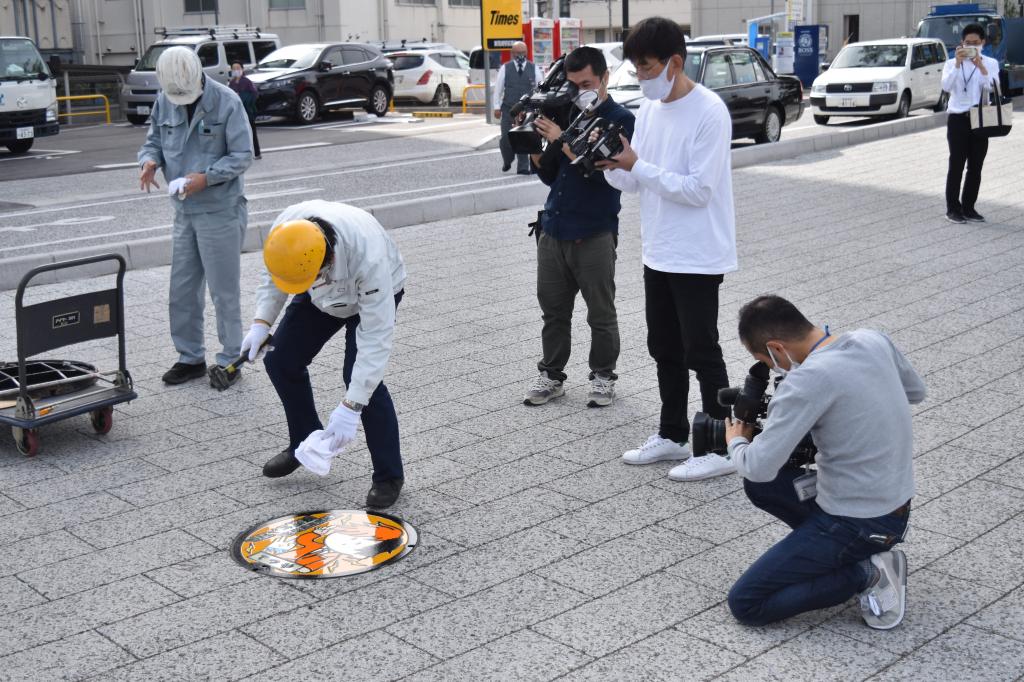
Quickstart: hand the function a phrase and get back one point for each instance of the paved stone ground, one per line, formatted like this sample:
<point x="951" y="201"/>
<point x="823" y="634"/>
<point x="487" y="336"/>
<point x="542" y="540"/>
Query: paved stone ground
<point x="543" y="556"/>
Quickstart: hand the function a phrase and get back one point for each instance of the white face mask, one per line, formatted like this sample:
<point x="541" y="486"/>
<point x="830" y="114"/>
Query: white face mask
<point x="236" y="74"/>
<point x="793" y="364"/>
<point x="658" y="87"/>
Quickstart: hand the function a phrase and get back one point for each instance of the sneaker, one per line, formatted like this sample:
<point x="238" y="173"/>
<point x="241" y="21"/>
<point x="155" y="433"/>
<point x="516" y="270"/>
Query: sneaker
<point x="180" y="372"/>
<point x="705" y="466"/>
<point x="281" y="464"/>
<point x="955" y="217"/>
<point x="543" y="390"/>
<point x="383" y="494"/>
<point x="656" y="449"/>
<point x="974" y="216"/>
<point x="884" y="604"/>
<point x="602" y="391"/>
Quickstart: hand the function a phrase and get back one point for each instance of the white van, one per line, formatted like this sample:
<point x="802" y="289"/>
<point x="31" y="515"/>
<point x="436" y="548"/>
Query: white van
<point x="218" y="48"/>
<point x="881" y="78"/>
<point x="28" y="95"/>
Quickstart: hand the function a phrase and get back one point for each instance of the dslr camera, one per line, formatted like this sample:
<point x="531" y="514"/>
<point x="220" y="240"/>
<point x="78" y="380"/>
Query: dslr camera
<point x="598" y="141"/>
<point x="552" y="99"/>
<point x="749" y="404"/>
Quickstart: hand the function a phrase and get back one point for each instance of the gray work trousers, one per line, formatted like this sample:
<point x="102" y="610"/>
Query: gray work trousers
<point x="507" y="155"/>
<point x="586" y="266"/>
<point x="207" y="249"/>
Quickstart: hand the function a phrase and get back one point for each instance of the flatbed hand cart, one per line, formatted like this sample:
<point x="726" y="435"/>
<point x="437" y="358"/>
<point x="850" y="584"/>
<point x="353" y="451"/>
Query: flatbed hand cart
<point x="46" y="391"/>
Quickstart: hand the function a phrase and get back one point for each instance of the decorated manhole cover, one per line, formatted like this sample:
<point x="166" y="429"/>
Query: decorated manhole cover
<point x="324" y="544"/>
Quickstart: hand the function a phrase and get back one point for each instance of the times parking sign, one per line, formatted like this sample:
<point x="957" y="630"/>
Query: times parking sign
<point x="502" y="23"/>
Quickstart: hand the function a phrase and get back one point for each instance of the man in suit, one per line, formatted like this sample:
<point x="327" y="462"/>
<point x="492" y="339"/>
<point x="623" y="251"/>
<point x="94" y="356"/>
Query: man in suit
<point x="516" y="78"/>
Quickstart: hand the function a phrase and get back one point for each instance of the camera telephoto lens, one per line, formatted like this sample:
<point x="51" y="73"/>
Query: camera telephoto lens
<point x="707" y="435"/>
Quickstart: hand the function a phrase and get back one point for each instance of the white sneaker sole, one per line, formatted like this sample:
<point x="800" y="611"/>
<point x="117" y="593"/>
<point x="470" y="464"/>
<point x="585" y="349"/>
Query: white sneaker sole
<point x="540" y="401"/>
<point x="662" y="458"/>
<point x="603" y="401"/>
<point x="701" y="477"/>
<point x="901" y="569"/>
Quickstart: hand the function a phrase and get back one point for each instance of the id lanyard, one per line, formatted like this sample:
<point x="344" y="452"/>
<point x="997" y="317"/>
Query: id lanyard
<point x="966" y="80"/>
<point x="818" y="342"/>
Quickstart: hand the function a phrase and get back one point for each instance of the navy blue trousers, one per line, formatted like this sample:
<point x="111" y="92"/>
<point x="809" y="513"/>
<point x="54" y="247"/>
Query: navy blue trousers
<point x="303" y="331"/>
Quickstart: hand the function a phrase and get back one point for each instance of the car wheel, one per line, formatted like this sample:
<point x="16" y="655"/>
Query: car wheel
<point x="771" y="128"/>
<point x="943" y="102"/>
<point x="379" y="100"/>
<point x="442" y="98"/>
<point x="821" y="120"/>
<point x="20" y="146"/>
<point x="136" y="119"/>
<point x="903" y="110"/>
<point x="307" y="108"/>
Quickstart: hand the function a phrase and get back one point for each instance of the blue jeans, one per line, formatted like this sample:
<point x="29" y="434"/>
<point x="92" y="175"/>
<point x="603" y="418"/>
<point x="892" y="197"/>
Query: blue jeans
<point x="817" y="564"/>
<point x="303" y="331"/>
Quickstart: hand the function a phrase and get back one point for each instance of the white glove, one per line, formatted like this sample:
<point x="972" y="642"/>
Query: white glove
<point x="177" y="187"/>
<point x="253" y="341"/>
<point x="341" y="429"/>
<point x="315" y="454"/>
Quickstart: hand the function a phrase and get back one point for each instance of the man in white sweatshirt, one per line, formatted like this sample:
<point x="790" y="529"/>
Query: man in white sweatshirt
<point x="680" y="164"/>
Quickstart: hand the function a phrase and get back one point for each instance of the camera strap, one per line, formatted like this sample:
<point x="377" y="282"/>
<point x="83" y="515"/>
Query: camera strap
<point x="536" y="227"/>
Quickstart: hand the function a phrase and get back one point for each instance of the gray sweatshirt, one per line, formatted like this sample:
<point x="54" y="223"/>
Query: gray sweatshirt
<point x="853" y="395"/>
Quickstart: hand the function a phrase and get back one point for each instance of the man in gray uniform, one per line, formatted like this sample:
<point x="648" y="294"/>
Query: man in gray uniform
<point x="516" y="78"/>
<point x="199" y="136"/>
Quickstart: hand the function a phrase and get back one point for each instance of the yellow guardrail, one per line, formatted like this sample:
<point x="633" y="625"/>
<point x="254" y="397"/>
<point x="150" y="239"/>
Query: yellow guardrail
<point x="479" y="103"/>
<point x="73" y="98"/>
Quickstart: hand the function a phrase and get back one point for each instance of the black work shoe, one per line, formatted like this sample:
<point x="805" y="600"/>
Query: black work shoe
<point x="221" y="379"/>
<point x="955" y="217"/>
<point x="384" y="493"/>
<point x="505" y="167"/>
<point x="281" y="464"/>
<point x="974" y="216"/>
<point x="181" y="372"/>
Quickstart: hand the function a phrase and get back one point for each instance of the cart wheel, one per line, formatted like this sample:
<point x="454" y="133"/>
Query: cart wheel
<point x="27" y="441"/>
<point x="102" y="419"/>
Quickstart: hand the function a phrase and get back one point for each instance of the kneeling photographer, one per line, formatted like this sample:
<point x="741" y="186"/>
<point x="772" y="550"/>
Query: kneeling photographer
<point x="851" y="394"/>
<point x="578" y="233"/>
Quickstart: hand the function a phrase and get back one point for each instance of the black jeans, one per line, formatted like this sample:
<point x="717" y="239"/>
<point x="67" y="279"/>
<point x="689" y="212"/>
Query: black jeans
<point x="682" y="335"/>
<point x="964" y="148"/>
<point x="303" y="331"/>
<point x="565" y="268"/>
<point x="255" y="138"/>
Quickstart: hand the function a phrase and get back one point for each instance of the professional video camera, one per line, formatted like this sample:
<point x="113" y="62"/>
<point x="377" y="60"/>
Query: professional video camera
<point x="749" y="404"/>
<point x="552" y="99"/>
<point x="598" y="141"/>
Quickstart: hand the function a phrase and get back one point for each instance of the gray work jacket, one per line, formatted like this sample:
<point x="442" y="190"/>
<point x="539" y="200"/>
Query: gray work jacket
<point x="217" y="142"/>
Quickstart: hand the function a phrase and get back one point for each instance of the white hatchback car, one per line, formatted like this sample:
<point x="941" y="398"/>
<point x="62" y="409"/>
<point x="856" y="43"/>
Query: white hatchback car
<point x="881" y="78"/>
<point x="437" y="77"/>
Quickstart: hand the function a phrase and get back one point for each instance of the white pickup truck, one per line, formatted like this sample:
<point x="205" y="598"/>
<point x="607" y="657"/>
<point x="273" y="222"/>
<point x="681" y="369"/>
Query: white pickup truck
<point x="28" y="95"/>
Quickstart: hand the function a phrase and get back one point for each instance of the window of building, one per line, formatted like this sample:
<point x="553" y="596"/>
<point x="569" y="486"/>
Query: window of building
<point x="261" y="48"/>
<point x="237" y="52"/>
<point x="463" y="3"/>
<point x="851" y="28"/>
<point x="417" y="2"/>
<point x="287" y="4"/>
<point x="200" y="6"/>
<point x="208" y="54"/>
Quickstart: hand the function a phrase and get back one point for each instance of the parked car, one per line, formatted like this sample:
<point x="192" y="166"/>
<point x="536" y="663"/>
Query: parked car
<point x="881" y="78"/>
<point x="612" y="53"/>
<point x="495" y="58"/>
<point x="760" y="102"/>
<point x="721" y="39"/>
<point x="426" y="76"/>
<point x="218" y="48"/>
<point x="301" y="81"/>
<point x="409" y="45"/>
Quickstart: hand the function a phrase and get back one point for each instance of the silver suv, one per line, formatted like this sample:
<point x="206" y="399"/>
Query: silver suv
<point x="218" y="48"/>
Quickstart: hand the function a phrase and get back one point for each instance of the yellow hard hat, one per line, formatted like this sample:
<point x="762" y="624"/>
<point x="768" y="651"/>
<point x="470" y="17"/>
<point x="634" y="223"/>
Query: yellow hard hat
<point x="293" y="253"/>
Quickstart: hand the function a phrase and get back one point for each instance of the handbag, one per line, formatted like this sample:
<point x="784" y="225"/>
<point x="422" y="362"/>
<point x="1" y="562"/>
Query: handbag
<point x="992" y="120"/>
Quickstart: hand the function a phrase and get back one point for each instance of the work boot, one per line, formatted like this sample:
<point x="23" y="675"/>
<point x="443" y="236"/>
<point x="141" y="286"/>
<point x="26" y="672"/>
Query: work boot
<point x="180" y="372"/>
<point x="223" y="378"/>
<point x="281" y="464"/>
<point x="383" y="494"/>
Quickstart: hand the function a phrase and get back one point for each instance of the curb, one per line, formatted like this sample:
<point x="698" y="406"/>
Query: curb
<point x="156" y="251"/>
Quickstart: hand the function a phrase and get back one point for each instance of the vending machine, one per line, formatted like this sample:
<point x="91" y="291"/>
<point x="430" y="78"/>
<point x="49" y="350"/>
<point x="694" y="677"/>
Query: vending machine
<point x="539" y="36"/>
<point x="568" y="34"/>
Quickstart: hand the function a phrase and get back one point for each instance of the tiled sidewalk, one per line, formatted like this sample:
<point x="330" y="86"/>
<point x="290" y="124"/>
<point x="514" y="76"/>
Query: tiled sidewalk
<point x="541" y="555"/>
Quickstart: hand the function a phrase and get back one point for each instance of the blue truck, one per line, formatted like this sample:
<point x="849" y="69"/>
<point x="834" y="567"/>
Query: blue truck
<point x="1004" y="40"/>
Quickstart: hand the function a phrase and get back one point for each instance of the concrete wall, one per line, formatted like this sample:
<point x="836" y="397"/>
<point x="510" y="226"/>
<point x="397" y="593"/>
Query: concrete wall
<point x="594" y="14"/>
<point x="47" y="22"/>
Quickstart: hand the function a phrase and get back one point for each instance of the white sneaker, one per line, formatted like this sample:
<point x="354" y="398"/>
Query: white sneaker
<point x="884" y="605"/>
<point x="699" y="468"/>
<point x="656" y="449"/>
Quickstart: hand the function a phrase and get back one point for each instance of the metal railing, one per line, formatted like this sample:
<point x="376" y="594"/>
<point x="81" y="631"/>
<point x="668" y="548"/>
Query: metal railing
<point x="72" y="98"/>
<point x="476" y="103"/>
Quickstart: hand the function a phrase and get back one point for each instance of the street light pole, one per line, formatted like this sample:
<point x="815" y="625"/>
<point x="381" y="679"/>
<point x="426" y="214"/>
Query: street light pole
<point x="625" y="19"/>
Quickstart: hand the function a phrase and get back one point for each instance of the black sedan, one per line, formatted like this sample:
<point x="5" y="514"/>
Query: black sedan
<point x="300" y="81"/>
<point x="760" y="102"/>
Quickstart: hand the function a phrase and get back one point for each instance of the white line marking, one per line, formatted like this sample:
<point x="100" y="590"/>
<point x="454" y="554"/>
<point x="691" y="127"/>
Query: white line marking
<point x="63" y="222"/>
<point x="130" y="164"/>
<point x="283" y="193"/>
<point x="296" y="146"/>
<point x="39" y="154"/>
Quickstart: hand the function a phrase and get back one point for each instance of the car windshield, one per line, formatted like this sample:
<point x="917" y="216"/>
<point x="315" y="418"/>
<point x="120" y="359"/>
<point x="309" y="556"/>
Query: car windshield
<point x="949" y="29"/>
<point x="291" y="57"/>
<point x="20" y="60"/>
<point x="403" y="62"/>
<point x="868" y="56"/>
<point x="148" y="61"/>
<point x="624" y="75"/>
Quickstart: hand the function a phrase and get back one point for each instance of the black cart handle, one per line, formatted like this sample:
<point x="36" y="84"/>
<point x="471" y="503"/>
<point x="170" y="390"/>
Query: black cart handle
<point x="88" y="260"/>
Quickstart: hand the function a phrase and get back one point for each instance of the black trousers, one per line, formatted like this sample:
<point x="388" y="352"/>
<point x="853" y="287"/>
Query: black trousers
<point x="682" y="335"/>
<point x="964" y="148"/>
<point x="255" y="138"/>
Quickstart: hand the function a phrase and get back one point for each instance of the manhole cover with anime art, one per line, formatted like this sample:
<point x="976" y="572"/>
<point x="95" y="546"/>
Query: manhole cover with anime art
<point x="324" y="544"/>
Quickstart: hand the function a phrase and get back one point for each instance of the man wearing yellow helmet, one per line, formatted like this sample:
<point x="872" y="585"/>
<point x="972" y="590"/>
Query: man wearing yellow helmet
<point x="344" y="271"/>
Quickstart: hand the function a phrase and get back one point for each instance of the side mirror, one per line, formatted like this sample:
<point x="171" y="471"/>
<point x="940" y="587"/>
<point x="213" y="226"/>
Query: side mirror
<point x="326" y="66"/>
<point x="825" y="65"/>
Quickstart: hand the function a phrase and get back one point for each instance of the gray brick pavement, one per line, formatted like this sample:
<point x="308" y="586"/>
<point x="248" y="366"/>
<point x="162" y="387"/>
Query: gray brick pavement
<point x="542" y="556"/>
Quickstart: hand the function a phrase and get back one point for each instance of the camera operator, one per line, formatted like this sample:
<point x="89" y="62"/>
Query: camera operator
<point x="576" y="247"/>
<point x="681" y="166"/>
<point x="852" y="393"/>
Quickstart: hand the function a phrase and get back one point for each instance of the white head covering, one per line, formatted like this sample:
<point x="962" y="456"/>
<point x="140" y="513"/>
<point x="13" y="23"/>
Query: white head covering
<point x="180" y="74"/>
